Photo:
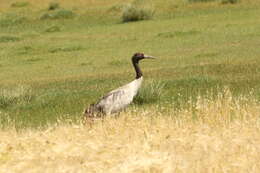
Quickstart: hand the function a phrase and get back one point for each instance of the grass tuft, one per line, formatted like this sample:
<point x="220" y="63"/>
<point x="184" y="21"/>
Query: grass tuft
<point x="150" y="93"/>
<point x="20" y="95"/>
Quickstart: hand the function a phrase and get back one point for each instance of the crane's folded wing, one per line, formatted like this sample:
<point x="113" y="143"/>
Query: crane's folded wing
<point x="114" y="95"/>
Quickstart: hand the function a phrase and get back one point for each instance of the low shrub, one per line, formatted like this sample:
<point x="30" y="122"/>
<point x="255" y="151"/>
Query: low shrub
<point x="133" y="12"/>
<point x="53" y="6"/>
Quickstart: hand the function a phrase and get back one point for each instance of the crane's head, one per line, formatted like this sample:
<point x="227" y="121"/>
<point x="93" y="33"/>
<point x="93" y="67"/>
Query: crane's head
<point x="139" y="56"/>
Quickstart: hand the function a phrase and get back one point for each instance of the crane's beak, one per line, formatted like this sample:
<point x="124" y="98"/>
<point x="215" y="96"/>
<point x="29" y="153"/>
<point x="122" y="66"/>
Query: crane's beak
<point x="148" y="57"/>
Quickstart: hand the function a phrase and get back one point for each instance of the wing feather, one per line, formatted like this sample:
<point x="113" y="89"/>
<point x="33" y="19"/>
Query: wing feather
<point x="114" y="101"/>
<point x="113" y="96"/>
<point x="116" y="94"/>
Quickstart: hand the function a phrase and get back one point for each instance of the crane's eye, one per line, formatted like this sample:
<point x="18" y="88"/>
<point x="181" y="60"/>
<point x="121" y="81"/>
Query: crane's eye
<point x="139" y="55"/>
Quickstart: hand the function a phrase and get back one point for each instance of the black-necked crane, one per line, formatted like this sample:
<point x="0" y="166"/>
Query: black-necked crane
<point x="120" y="98"/>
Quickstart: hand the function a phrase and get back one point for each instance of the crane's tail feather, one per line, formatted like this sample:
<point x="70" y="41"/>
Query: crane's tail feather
<point x="92" y="112"/>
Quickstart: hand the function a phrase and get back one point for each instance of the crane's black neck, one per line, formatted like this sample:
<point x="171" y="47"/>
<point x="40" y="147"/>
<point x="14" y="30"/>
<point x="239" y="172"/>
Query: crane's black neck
<point x="137" y="69"/>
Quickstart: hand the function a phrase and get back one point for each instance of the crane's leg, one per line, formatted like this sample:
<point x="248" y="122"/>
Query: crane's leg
<point x="89" y="115"/>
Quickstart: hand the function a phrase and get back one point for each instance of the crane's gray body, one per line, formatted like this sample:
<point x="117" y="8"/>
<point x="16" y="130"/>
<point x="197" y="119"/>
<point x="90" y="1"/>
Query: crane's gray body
<point x="120" y="98"/>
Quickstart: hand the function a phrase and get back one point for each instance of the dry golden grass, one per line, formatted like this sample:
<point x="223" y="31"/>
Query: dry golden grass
<point x="220" y="135"/>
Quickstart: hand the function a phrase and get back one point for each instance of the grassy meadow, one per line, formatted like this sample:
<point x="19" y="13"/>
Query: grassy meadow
<point x="198" y="109"/>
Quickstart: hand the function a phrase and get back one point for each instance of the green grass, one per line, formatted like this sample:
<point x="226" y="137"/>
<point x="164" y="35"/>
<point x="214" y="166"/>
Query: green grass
<point x="20" y="4"/>
<point x="68" y="64"/>
<point x="7" y="38"/>
<point x="60" y="14"/>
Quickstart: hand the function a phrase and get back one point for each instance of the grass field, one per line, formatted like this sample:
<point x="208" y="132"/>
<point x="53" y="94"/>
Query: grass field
<point x="198" y="110"/>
